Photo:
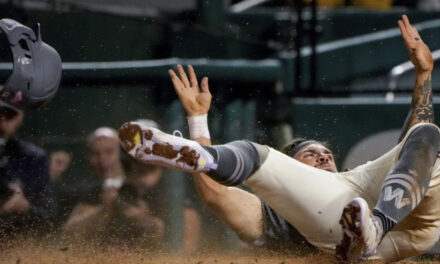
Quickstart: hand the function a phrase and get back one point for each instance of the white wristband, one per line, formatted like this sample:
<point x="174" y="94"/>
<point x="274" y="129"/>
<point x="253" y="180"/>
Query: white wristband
<point x="198" y="126"/>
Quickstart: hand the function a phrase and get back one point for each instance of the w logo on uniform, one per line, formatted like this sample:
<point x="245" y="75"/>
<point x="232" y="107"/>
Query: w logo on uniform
<point x="396" y="194"/>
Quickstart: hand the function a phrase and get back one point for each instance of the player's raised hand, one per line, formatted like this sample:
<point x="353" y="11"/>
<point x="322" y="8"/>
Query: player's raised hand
<point x="419" y="53"/>
<point x="195" y="100"/>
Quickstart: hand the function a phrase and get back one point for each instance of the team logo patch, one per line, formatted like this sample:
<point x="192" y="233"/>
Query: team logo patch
<point x="396" y="194"/>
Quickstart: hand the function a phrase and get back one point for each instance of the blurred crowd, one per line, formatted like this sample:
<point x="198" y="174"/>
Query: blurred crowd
<point x="120" y="202"/>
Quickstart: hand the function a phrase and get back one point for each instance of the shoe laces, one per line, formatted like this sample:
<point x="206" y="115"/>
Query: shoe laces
<point x="177" y="133"/>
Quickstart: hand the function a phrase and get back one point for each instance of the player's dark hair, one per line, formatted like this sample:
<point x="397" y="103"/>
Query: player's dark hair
<point x="291" y="145"/>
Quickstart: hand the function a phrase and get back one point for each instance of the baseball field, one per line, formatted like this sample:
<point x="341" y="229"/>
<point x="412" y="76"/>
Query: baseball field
<point x="34" y="251"/>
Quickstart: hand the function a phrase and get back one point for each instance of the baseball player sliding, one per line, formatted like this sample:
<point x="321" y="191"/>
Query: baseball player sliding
<point x="386" y="209"/>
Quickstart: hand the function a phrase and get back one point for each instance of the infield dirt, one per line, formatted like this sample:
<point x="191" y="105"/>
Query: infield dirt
<point x="33" y="251"/>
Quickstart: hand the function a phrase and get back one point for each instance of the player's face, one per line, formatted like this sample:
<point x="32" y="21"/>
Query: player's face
<point x="104" y="156"/>
<point x="318" y="156"/>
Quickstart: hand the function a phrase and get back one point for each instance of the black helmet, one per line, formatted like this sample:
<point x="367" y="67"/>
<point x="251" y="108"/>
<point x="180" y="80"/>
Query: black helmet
<point x="36" y="72"/>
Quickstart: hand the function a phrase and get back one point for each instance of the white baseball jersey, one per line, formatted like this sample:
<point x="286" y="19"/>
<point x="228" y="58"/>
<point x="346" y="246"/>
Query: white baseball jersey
<point x="312" y="200"/>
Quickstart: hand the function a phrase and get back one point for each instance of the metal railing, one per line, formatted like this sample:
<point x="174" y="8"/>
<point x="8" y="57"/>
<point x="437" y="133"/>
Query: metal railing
<point x="399" y="70"/>
<point x="246" y="5"/>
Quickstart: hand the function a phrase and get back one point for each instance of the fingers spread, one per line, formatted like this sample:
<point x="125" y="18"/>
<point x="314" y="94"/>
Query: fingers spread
<point x="178" y="85"/>
<point x="205" y="86"/>
<point x="193" y="77"/>
<point x="183" y="76"/>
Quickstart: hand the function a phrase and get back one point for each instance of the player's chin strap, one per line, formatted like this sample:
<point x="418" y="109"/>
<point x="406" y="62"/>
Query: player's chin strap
<point x="198" y="126"/>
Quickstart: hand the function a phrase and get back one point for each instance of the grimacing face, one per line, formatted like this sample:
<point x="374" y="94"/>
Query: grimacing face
<point x="104" y="156"/>
<point x="318" y="156"/>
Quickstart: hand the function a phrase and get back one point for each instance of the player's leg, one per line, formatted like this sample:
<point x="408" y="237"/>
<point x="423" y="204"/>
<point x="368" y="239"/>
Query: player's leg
<point x="309" y="198"/>
<point x="402" y="190"/>
<point x="418" y="232"/>
<point x="237" y="161"/>
<point x="405" y="187"/>
<point x="228" y="164"/>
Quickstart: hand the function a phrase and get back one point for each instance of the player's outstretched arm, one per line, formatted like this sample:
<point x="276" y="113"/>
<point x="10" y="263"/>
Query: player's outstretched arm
<point x="195" y="99"/>
<point x="240" y="210"/>
<point x="421" y="110"/>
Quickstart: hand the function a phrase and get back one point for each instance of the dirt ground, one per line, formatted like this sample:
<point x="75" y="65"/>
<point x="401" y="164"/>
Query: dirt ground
<point x="36" y="252"/>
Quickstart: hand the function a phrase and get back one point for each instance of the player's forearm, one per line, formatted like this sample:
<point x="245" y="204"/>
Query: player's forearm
<point x="203" y="141"/>
<point x="208" y="189"/>
<point x="421" y="110"/>
<point x="239" y="210"/>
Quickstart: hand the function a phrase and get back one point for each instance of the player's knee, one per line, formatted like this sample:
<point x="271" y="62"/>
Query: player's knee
<point x="251" y="149"/>
<point x="262" y="151"/>
<point x="426" y="134"/>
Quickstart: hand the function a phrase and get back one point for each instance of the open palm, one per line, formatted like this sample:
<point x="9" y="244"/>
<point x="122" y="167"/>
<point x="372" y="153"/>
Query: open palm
<point x="195" y="100"/>
<point x="419" y="52"/>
